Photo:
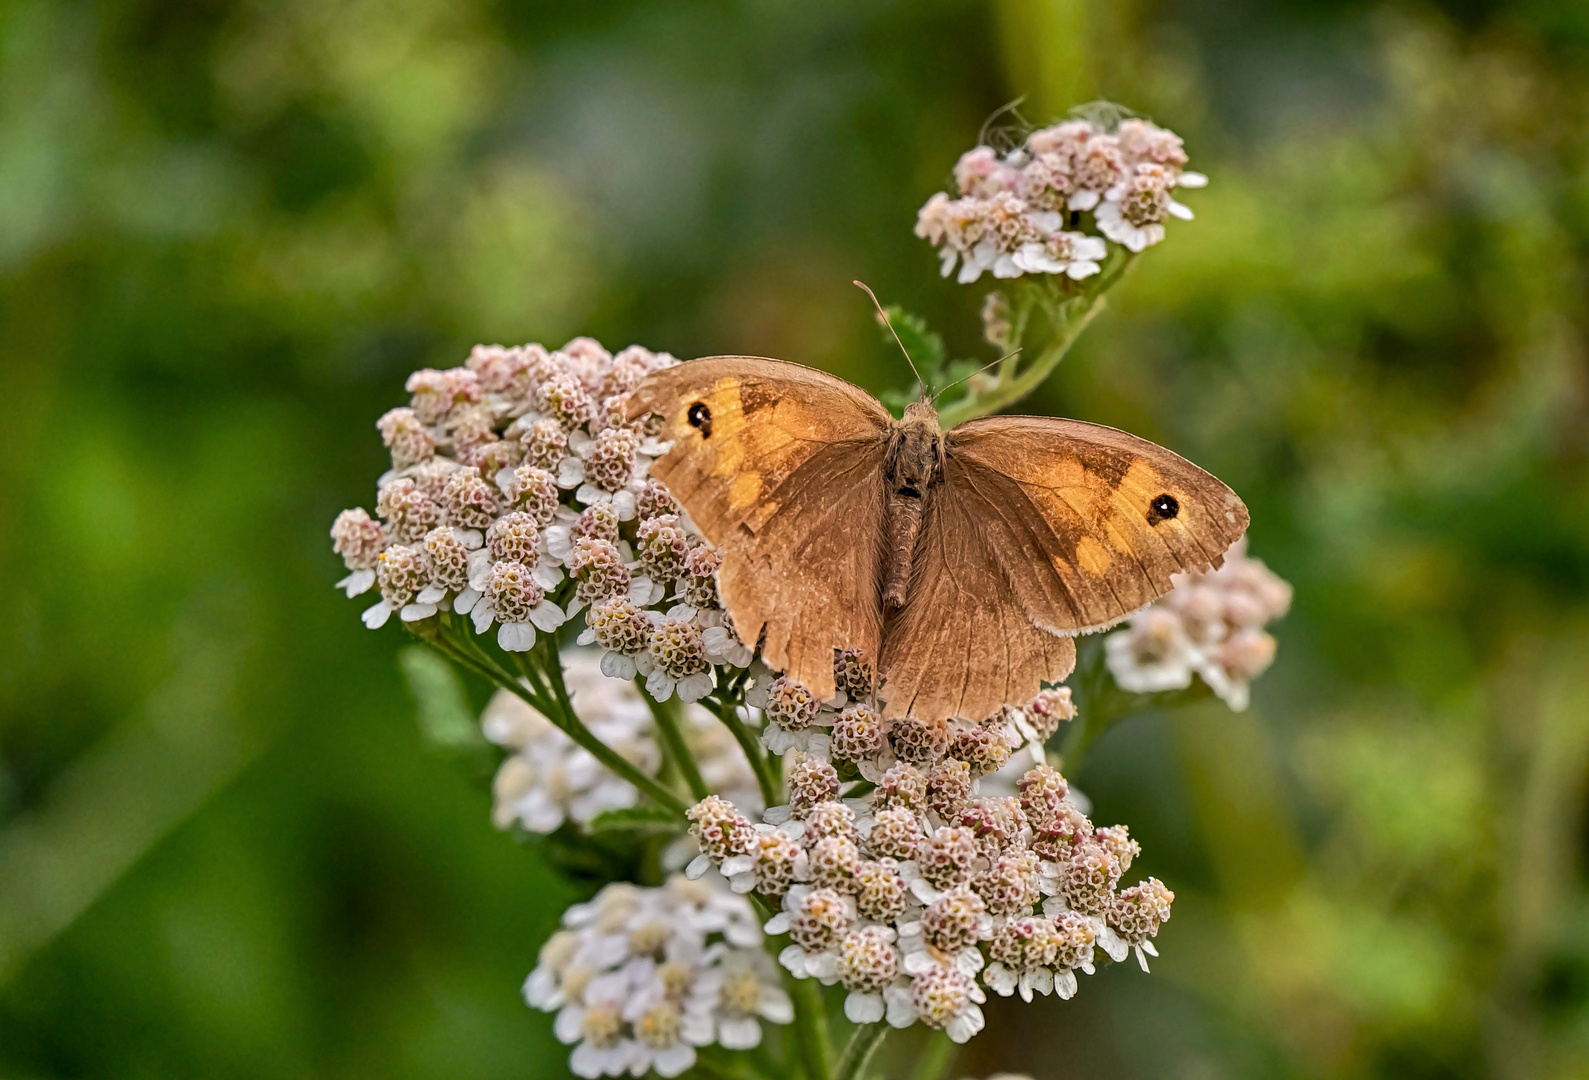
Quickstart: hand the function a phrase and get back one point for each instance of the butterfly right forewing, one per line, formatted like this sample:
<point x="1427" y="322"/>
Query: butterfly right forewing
<point x="1089" y="522"/>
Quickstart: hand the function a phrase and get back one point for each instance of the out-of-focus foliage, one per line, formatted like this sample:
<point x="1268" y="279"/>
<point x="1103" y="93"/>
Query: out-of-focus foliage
<point x="228" y="229"/>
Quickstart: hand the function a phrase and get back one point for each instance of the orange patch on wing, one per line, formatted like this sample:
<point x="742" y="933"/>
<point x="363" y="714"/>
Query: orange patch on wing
<point x="1092" y="555"/>
<point x="745" y="490"/>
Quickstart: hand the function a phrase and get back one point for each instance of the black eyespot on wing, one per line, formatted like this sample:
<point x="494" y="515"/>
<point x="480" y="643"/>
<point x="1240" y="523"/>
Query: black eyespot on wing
<point x="700" y="418"/>
<point x="1163" y="508"/>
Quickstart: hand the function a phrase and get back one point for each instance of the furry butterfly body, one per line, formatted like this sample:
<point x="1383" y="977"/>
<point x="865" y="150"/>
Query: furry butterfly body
<point x="964" y="562"/>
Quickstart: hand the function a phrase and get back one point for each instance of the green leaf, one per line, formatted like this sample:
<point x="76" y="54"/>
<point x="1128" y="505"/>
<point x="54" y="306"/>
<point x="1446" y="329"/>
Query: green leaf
<point x="444" y="715"/>
<point x="896" y="400"/>
<point x="924" y="346"/>
<point x="647" y="818"/>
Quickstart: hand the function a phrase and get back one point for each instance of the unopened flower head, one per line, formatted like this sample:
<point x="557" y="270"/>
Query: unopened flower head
<point x="1137" y="913"/>
<point x="598" y="570"/>
<point x="678" y="657"/>
<point x="810" y="781"/>
<point x="598" y="521"/>
<point x="997" y="821"/>
<point x="359" y="540"/>
<point x="545" y="443"/>
<point x="858" y="733"/>
<point x="409" y="512"/>
<point x="533" y="490"/>
<point x="402" y="572"/>
<point x="697" y="580"/>
<point x="1116" y="839"/>
<point x="653" y="500"/>
<point x="448" y="552"/>
<point x="1043" y="793"/>
<point x="829" y="819"/>
<point x="881" y="892"/>
<point x="822" y="916"/>
<point x="920" y="742"/>
<point x="719" y="829"/>
<point x="903" y="786"/>
<point x="1010" y="885"/>
<point x="407" y="436"/>
<point x="853" y="673"/>
<point x="947" y="857"/>
<point x="610" y="463"/>
<point x="895" y="833"/>
<point x="947" y="999"/>
<point x="790" y="705"/>
<point x="954" y="921"/>
<point x="949" y="788"/>
<point x="983" y="750"/>
<point x="662" y="545"/>
<point x="834" y="861"/>
<point x="1040" y="718"/>
<point x="620" y="626"/>
<point x="868" y="960"/>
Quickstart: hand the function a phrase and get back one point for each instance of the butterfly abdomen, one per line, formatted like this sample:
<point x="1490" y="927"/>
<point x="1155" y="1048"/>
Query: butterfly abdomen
<point x="904" y="527"/>
<point x="915" y="464"/>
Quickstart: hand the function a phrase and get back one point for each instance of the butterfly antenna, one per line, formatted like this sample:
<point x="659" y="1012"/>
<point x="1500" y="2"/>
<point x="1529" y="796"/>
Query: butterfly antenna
<point x="975" y="373"/>
<point x="883" y="315"/>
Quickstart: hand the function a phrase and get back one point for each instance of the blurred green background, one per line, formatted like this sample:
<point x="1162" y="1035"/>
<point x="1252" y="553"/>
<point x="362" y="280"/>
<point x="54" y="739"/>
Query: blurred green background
<point x="229" y="229"/>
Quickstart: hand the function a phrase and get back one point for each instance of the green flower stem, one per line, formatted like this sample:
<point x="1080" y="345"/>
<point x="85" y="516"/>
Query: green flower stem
<point x="1068" y="316"/>
<point x="750" y="744"/>
<point x="1083" y="733"/>
<point x="548" y="696"/>
<point x="934" y="1057"/>
<point x="858" y="1052"/>
<point x="667" y="718"/>
<point x="811" y="1028"/>
<point x="763" y="1064"/>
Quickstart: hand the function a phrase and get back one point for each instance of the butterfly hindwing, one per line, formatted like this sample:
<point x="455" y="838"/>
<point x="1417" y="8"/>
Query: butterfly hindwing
<point x="781" y="467"/>
<point x="1041" y="529"/>
<point x="963" y="646"/>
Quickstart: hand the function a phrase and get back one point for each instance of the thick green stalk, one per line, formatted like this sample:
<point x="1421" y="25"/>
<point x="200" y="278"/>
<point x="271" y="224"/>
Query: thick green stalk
<point x="858" y="1052"/>
<point x="550" y="698"/>
<point x="1007" y="391"/>
<point x="751" y="745"/>
<point x="811" y="1028"/>
<point x="673" y="740"/>
<point x="934" y="1057"/>
<point x="1068" y="316"/>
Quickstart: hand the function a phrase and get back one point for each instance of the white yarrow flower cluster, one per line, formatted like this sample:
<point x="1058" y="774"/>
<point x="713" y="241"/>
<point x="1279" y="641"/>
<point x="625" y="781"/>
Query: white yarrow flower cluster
<point x="1210" y="625"/>
<point x="639" y="978"/>
<point x="519" y="496"/>
<point x="1025" y="212"/>
<point x="850" y="731"/>
<point x="548" y="779"/>
<point x="917" y="901"/>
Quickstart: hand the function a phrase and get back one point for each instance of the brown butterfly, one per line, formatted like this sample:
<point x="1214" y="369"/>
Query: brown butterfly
<point x="964" y="562"/>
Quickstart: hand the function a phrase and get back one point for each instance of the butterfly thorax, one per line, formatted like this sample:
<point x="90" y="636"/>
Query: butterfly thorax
<point x="914" y="466"/>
